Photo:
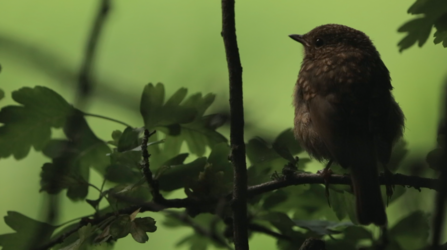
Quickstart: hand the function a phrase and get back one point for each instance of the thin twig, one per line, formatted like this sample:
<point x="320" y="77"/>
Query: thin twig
<point x="153" y="184"/>
<point x="237" y="126"/>
<point x="261" y="229"/>
<point x="107" y="118"/>
<point x="199" y="229"/>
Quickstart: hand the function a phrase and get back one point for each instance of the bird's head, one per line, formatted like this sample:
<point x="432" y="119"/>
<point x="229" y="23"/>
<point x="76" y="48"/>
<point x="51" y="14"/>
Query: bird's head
<point x="330" y="39"/>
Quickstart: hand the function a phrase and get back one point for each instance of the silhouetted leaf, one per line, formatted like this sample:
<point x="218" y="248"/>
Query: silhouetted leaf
<point x="121" y="174"/>
<point x="30" y="124"/>
<point x="25" y="231"/>
<point x="399" y="152"/>
<point x="177" y="176"/>
<point x="343" y="203"/>
<point x="2" y="94"/>
<point x="321" y="227"/>
<point x="195" y="242"/>
<point x="181" y="119"/>
<point x="61" y="174"/>
<point x="84" y="233"/>
<point x="151" y="104"/>
<point x="120" y="227"/>
<point x="356" y="233"/>
<point x="418" y="31"/>
<point x="82" y="146"/>
<point x="434" y="14"/>
<point x="67" y="241"/>
<point x="274" y="198"/>
<point x="73" y="158"/>
<point x="129" y="139"/>
<point x="286" y="145"/>
<point x="411" y="233"/>
<point x="140" y="226"/>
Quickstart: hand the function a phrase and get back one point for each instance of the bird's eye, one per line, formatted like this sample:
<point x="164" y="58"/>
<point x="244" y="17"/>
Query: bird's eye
<point x="319" y="42"/>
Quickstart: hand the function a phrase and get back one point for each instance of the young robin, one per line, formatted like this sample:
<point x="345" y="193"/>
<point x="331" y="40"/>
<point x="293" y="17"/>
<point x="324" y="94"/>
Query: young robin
<point x="345" y="112"/>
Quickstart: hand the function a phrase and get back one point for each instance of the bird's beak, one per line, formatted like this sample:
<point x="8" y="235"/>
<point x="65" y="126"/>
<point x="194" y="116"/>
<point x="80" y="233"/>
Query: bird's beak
<point x="298" y="38"/>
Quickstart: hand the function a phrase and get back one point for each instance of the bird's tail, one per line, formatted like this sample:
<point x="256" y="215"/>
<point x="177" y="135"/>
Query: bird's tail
<point x="365" y="183"/>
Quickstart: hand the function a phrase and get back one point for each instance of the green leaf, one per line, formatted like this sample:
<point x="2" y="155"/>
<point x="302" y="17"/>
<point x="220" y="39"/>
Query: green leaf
<point x="434" y="13"/>
<point x="120" y="227"/>
<point x="147" y="224"/>
<point x="122" y="174"/>
<point x="286" y="145"/>
<point x="355" y="234"/>
<point x="321" y="227"/>
<point x="73" y="158"/>
<point x="30" y="124"/>
<point x="69" y="240"/>
<point x="60" y="174"/>
<point x="418" y="31"/>
<point x="182" y="121"/>
<point x="195" y="241"/>
<point x="138" y="234"/>
<point x="343" y="203"/>
<point x="84" y="233"/>
<point x="441" y="36"/>
<point x="258" y="151"/>
<point x="129" y="139"/>
<point x="151" y="104"/>
<point x="26" y="229"/>
<point x="2" y="94"/>
<point x="274" y="198"/>
<point x="178" y="175"/>
<point x="400" y="150"/>
<point x="412" y="232"/>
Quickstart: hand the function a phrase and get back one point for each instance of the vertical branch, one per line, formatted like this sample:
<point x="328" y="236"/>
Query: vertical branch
<point x="145" y="168"/>
<point x="440" y="206"/>
<point x="84" y="81"/>
<point x="239" y="206"/>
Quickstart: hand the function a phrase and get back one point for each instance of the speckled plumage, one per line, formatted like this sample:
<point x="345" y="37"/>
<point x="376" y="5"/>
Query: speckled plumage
<point x="344" y="110"/>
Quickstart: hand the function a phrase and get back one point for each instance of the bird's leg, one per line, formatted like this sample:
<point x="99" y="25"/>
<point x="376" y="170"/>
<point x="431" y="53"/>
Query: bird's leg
<point x="326" y="173"/>
<point x="388" y="180"/>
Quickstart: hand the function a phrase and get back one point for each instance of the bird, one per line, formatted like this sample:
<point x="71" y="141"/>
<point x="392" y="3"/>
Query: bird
<point x="345" y="111"/>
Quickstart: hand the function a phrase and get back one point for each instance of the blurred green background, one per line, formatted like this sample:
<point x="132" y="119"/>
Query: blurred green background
<point x="178" y="42"/>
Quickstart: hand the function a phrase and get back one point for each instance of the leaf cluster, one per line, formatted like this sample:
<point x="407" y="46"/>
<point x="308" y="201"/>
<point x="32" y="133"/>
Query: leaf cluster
<point x="431" y="13"/>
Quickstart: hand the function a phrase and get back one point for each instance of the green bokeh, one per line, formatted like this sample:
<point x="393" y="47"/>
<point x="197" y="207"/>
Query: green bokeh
<point x="178" y="42"/>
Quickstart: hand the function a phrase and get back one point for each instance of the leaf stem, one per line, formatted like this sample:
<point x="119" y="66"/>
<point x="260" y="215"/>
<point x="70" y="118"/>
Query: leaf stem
<point x="107" y="118"/>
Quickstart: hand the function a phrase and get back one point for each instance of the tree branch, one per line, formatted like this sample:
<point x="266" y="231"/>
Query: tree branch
<point x="239" y="205"/>
<point x="84" y="80"/>
<point x="153" y="184"/>
<point x="297" y="179"/>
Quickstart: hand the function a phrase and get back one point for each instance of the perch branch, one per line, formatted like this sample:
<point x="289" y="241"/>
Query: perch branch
<point x="297" y="179"/>
<point x="239" y="203"/>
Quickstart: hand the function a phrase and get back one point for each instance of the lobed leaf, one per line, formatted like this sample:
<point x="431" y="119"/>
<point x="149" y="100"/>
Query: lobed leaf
<point x="29" y="125"/>
<point x="26" y="230"/>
